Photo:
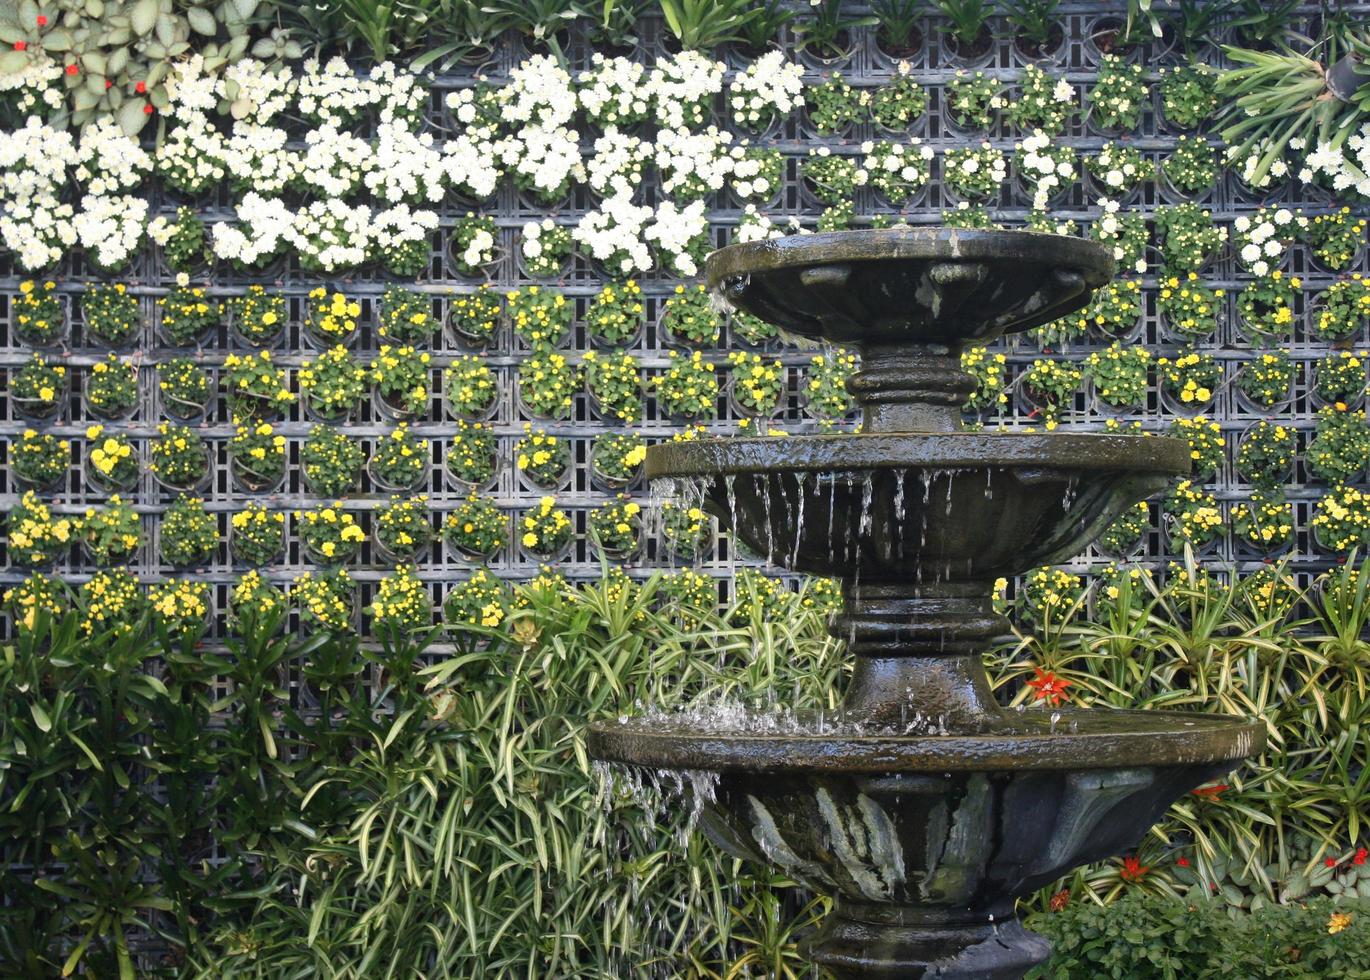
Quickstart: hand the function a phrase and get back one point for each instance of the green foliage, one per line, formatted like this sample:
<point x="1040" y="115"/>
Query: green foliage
<point x="1141" y="937"/>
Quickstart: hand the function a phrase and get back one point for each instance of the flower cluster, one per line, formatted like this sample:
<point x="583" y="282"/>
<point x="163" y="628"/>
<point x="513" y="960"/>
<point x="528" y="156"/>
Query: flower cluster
<point x="757" y="383"/>
<point x="187" y="535"/>
<point x="1190" y="308"/>
<point x="1123" y="534"/>
<point x="257" y="317"/>
<point x="257" y="535"/>
<point x="402" y="601"/>
<point x="825" y="385"/>
<point x="615" y="384"/>
<point x="476" y="527"/>
<point x="330" y="317"/>
<point x="39" y="460"/>
<point x="481" y="600"/>
<point x="1266" y="305"/>
<point x="1188" y="94"/>
<point x="544" y="459"/>
<point x="329" y="534"/>
<point x="901" y="100"/>
<point x="472" y="456"/>
<point x="255" y="387"/>
<point x="187" y="315"/>
<point x="1119" y="374"/>
<point x="110" y="534"/>
<point x="545" y="246"/>
<point x="540" y="317"/>
<point x="688" y="388"/>
<point x="111" y="601"/>
<point x="405" y="316"/>
<point x="1340" y="446"/>
<point x="1052" y="385"/>
<point x="1266" y="521"/>
<point x="332" y="461"/>
<point x="1336" y="238"/>
<point x="1120" y="167"/>
<point x="545" y="529"/>
<point x="1046" y="169"/>
<point x="113" y="461"/>
<point x="1117" y="99"/>
<point x="1192" y="166"/>
<point x="1043" y="102"/>
<point x="36" y="536"/>
<point x="616" y="456"/>
<point x="1189" y="237"/>
<point x="768" y="88"/>
<point x="1342" y="519"/>
<point x="325" y="599"/>
<point x="39" y="386"/>
<point x="1262" y="239"/>
<point x="401" y="377"/>
<point x="256" y="454"/>
<point x="403" y="526"/>
<point x="685" y="528"/>
<point x="974" y="172"/>
<point x="37" y="595"/>
<point x="1339" y="378"/>
<point x="185" y="388"/>
<point x="253" y="600"/>
<point x="1266" y="453"/>
<point x="1190" y="377"/>
<point x="332" y="383"/>
<point x="1343" y="308"/>
<point x="897" y="170"/>
<point x="1266" y="378"/>
<point x="38" y="316"/>
<point x="400" y="460"/>
<point x="974" y="100"/>
<point x="547" y="384"/>
<point x="616" y="527"/>
<point x="834" y="105"/>
<point x="1125" y="232"/>
<point x="179" y="456"/>
<point x="111" y="314"/>
<point x="990" y="394"/>
<point x="1050" y="594"/>
<point x="1205" y="440"/>
<point x="1195" y="517"/>
<point x="469" y="386"/>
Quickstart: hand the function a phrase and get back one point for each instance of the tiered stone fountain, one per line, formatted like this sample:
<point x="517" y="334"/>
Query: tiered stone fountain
<point x="926" y="809"/>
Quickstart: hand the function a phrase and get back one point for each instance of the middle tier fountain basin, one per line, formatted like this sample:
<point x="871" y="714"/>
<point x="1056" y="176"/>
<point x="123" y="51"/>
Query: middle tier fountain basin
<point x="941" y="507"/>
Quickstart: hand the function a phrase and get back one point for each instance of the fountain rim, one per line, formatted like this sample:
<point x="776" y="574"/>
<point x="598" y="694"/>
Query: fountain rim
<point x="1204" y="739"/>
<point x="921" y="244"/>
<point x="843" y="452"/>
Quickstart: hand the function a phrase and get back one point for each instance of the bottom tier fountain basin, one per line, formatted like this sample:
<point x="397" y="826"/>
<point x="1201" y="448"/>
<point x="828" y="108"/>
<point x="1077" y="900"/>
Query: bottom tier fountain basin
<point x="926" y="840"/>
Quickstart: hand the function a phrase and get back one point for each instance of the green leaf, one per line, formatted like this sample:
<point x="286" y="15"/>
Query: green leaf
<point x="12" y="62"/>
<point x="245" y="8"/>
<point x="202" y="21"/>
<point x="40" y="717"/>
<point x="144" y="17"/>
<point x="131" y="117"/>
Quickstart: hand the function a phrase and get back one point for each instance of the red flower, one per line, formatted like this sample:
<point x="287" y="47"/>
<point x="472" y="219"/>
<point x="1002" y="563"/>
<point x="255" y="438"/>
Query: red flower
<point x="1361" y="855"/>
<point x="72" y="69"/>
<point x="1211" y="792"/>
<point x="108" y="83"/>
<point x="1060" y="900"/>
<point x="1048" y="686"/>
<point x="1133" y="870"/>
<point x="1182" y="861"/>
<point x="21" y="45"/>
<point x="140" y="88"/>
<point x="147" y="109"/>
<point x="42" y="21"/>
<point x="1330" y="862"/>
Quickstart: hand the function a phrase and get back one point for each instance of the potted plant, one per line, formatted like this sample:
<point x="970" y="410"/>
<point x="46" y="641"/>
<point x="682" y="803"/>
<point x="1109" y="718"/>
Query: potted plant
<point x="1189" y="237"/>
<point x="1119" y="168"/>
<point x="112" y="599"/>
<point x="1190" y="377"/>
<point x="832" y="178"/>
<point x="37" y="537"/>
<point x="1189" y="307"/>
<point x="547" y="384"/>
<point x="482" y="600"/>
<point x="471" y="458"/>
<point x="112" y="388"/>
<point x="326" y="600"/>
<point x="332" y="461"/>
<point x="1266" y="378"/>
<point x="835" y="106"/>
<point x="1050" y="385"/>
<point x="181" y="606"/>
<point x="895" y="105"/>
<point x="1126" y="233"/>
<point x="403" y="528"/>
<point x="1118" y="96"/>
<point x="897" y="171"/>
<point x="39" y="461"/>
<point x="256" y="535"/>
<point x="405" y="317"/>
<point x="1119" y="375"/>
<point x="990" y="394"/>
<point x="545" y="530"/>
<point x="688" y="388"/>
<point x="541" y="318"/>
<point x="188" y="313"/>
<point x="616" y="528"/>
<point x="1340" y="446"/>
<point x="476" y="528"/>
<point x="184" y="387"/>
<point x="39" y="318"/>
<point x="1192" y="167"/>
<point x="400" y="460"/>
<point x="1261" y="241"/>
<point x="400" y="376"/>
<point x="473" y="244"/>
<point x="111" y="534"/>
<point x="615" y="385"/>
<point x="544" y="460"/>
<point x="974" y="173"/>
<point x="1266" y="305"/>
<point x="1341" y="521"/>
<point x="179" y="457"/>
<point x="39" y="388"/>
<point x="1265" y="456"/>
<point x="110" y="314"/>
<point x="1206" y="444"/>
<point x="330" y="318"/>
<point x="183" y="241"/>
<point x="616" y="457"/>
<point x="474" y="316"/>
<point x="257" y="318"/>
<point x="545" y="247"/>
<point x="1046" y="102"/>
<point x="1188" y="96"/>
<point x="187" y="535"/>
<point x="1339" y="378"/>
<point x="113" y="464"/>
<point x="685" y="529"/>
<point x="756" y="383"/>
<point x="1335" y="239"/>
<point x="614" y="315"/>
<point x="826" y="397"/>
<point x="254" y="600"/>
<point x="402" y="603"/>
<point x="37" y="595"/>
<point x="332" y="384"/>
<point x="256" y="455"/>
<point x="255" y="388"/>
<point x="974" y="100"/>
<point x="469" y="387"/>
<point x="329" y="534"/>
<point x="1266" y="521"/>
<point x="757" y="175"/>
<point x="1195" y="519"/>
<point x="1120" y="537"/>
<point x="1341" y="309"/>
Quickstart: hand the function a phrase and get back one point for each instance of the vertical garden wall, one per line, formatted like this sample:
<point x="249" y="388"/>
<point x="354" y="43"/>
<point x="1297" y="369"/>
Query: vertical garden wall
<point x="372" y="346"/>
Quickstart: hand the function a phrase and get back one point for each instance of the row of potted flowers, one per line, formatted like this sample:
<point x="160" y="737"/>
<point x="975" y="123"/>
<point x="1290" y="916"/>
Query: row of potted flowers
<point x="402" y="528"/>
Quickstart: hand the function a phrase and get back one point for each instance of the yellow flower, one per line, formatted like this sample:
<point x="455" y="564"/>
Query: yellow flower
<point x="1338" y="921"/>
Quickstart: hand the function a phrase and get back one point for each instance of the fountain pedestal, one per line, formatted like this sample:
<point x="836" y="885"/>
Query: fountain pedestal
<point x="928" y="809"/>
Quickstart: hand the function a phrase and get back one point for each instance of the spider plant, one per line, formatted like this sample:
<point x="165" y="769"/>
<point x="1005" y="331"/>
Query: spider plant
<point x="540" y="20"/>
<point x="827" y="33"/>
<point x="898" y="21"/>
<point x="704" y="24"/>
<point x="968" y="18"/>
<point x="1034" y="21"/>
<point x="616" y="24"/>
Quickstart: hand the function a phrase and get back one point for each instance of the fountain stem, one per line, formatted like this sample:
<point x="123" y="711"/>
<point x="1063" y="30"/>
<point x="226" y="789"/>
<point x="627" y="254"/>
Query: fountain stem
<point x="911" y="389"/>
<point x="918" y="653"/>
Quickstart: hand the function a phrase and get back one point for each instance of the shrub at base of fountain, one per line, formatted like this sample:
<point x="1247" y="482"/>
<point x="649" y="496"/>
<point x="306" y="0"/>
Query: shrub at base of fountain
<point x="925" y="809"/>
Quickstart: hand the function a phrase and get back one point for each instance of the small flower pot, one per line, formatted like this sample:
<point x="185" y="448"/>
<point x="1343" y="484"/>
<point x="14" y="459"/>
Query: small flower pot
<point x="466" y="340"/>
<point x="828" y="60"/>
<point x="607" y="482"/>
<point x="617" y="554"/>
<point x="34" y="410"/>
<point x="527" y="411"/>
<point x="242" y="340"/>
<point x="553" y="557"/>
<point x="196" y="486"/>
<point x="321" y="341"/>
<point x="314" y="414"/>
<point x="106" y="485"/>
<point x="385" y="408"/>
<point x="391" y="557"/>
<point x="1052" y="53"/>
<point x="244" y="405"/>
<point x="248" y="481"/>
<point x="471" y="555"/>
<point x="976" y="54"/>
<point x="486" y="271"/>
<point x="1170" y="194"/>
<point x="88" y="558"/>
<point x="317" y="557"/>
<point x="381" y="484"/>
<point x="463" y="486"/>
<point x="118" y="415"/>
<point x="184" y="411"/>
<point x="1102" y="407"/>
<point x="194" y="343"/>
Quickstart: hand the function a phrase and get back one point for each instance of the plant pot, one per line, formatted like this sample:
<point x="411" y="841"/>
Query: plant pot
<point x="249" y="482"/>
<point x="322" y="342"/>
<point x="384" y="408"/>
<point x="391" y="557"/>
<point x="553" y="557"/>
<point x="526" y="411"/>
<point x="243" y="341"/>
<point x="118" y="415"/>
<point x="185" y="411"/>
<point x="196" y="486"/>
<point x="316" y="557"/>
<point x="34" y="410"/>
<point x="113" y="561"/>
<point x="471" y="555"/>
<point x="486" y="271"/>
<point x="1052" y="53"/>
<point x="845" y="47"/>
<point x="107" y="486"/>
<point x="617" y="554"/>
<point x="314" y="414"/>
<point x="1101" y="407"/>
<point x="1170" y="194"/>
<point x="381" y="484"/>
<point x="606" y="482"/>
<point x="978" y="53"/>
<point x="1100" y="36"/>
